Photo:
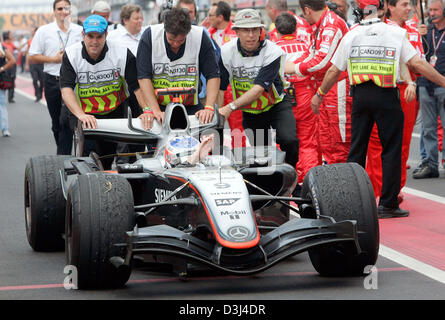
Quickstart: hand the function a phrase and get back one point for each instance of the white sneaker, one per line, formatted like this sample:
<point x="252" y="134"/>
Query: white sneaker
<point x="6" y="133"/>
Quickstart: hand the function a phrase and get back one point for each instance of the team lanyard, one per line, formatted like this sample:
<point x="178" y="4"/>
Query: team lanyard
<point x="63" y="45"/>
<point x="433" y="58"/>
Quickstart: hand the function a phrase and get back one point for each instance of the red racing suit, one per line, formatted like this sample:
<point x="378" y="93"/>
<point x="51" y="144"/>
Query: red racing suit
<point x="410" y="110"/>
<point x="236" y="117"/>
<point x="307" y="121"/>
<point x="334" y="125"/>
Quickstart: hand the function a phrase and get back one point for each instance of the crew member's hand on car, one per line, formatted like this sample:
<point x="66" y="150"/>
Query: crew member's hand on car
<point x="205" y="115"/>
<point x="88" y="121"/>
<point x="147" y="120"/>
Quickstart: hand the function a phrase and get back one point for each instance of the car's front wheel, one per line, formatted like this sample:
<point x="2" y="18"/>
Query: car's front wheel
<point x="100" y="211"/>
<point x="44" y="203"/>
<point x="344" y="192"/>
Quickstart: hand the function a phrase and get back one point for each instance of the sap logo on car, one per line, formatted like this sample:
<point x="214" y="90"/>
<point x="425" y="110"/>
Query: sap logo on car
<point x="161" y="194"/>
<point x="226" y="202"/>
<point x="238" y="233"/>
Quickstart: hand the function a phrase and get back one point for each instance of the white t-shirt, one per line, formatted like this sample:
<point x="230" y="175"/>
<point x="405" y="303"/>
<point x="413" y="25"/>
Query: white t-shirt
<point x="49" y="40"/>
<point x="379" y="31"/>
<point x="122" y="37"/>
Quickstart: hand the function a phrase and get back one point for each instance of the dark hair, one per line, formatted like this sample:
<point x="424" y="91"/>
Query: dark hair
<point x="6" y="35"/>
<point x="316" y="5"/>
<point x="286" y="23"/>
<point x="57" y="1"/>
<point x="128" y="10"/>
<point x="391" y="3"/>
<point x="223" y="8"/>
<point x="177" y="22"/>
<point x="187" y="2"/>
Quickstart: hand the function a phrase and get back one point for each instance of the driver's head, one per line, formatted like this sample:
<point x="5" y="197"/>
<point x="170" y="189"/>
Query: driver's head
<point x="179" y="149"/>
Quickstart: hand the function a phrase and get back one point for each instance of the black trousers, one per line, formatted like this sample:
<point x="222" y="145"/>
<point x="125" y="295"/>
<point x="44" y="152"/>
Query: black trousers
<point x="59" y="114"/>
<point x="13" y="74"/>
<point x="36" y="71"/>
<point x="373" y="104"/>
<point x="281" y="118"/>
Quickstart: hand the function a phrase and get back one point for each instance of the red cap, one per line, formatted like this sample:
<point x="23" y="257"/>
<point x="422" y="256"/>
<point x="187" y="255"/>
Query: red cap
<point x="362" y="4"/>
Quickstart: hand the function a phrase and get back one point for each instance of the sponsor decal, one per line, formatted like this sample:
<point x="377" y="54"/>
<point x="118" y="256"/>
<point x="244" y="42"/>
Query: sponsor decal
<point x="234" y="214"/>
<point x="222" y="185"/>
<point x="99" y="76"/>
<point x="243" y="72"/>
<point x="226" y="202"/>
<point x="225" y="193"/>
<point x="161" y="194"/>
<point x="175" y="70"/>
<point x="238" y="233"/>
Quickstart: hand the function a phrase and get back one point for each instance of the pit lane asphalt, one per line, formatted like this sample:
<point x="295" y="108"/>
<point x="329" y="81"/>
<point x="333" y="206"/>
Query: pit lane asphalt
<point x="25" y="274"/>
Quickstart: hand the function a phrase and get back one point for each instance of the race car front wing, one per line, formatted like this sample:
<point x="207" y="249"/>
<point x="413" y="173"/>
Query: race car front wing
<point x="293" y="237"/>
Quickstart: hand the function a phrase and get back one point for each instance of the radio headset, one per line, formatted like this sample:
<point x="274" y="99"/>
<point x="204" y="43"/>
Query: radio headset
<point x="358" y="12"/>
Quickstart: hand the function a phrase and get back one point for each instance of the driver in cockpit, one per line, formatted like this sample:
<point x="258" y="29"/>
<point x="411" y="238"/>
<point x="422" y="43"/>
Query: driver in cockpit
<point x="187" y="150"/>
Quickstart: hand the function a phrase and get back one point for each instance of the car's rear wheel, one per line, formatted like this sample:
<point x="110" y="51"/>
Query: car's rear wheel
<point x="100" y="210"/>
<point x="44" y="203"/>
<point x="344" y="192"/>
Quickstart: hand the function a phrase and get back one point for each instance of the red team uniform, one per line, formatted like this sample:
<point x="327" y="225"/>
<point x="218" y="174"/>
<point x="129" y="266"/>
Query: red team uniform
<point x="307" y="122"/>
<point x="335" y="111"/>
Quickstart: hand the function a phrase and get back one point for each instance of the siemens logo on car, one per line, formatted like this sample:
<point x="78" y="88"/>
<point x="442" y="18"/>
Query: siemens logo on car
<point x="99" y="76"/>
<point x="161" y="194"/>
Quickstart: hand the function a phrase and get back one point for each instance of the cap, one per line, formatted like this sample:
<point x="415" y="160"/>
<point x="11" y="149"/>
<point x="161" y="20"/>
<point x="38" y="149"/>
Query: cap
<point x="101" y="6"/>
<point x="362" y="4"/>
<point x="247" y="18"/>
<point x="95" y="23"/>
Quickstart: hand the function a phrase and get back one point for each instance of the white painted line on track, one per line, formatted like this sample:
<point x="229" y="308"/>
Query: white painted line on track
<point x="406" y="261"/>
<point x="416" y="265"/>
<point x="424" y="195"/>
<point x="27" y="95"/>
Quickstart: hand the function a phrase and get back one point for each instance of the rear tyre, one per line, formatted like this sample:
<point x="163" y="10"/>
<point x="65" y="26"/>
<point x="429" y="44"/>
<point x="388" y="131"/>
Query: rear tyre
<point x="100" y="210"/>
<point x="45" y="203"/>
<point x="344" y="192"/>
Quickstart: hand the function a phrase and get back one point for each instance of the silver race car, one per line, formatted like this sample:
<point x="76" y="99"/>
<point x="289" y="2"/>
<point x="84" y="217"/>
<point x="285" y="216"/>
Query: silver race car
<point x="228" y="210"/>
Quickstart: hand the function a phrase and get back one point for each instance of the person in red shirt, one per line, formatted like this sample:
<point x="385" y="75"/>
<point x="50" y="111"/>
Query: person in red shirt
<point x="335" y="112"/>
<point x="307" y="122"/>
<point x="398" y="14"/>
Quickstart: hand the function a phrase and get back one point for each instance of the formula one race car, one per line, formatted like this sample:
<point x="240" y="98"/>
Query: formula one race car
<point x="229" y="211"/>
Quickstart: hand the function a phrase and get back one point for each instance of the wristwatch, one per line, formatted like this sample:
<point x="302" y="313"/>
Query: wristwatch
<point x="232" y="106"/>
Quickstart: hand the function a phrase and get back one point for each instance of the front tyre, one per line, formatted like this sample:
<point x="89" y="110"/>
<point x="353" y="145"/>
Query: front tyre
<point x="45" y="203"/>
<point x="100" y="210"/>
<point x="344" y="192"/>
